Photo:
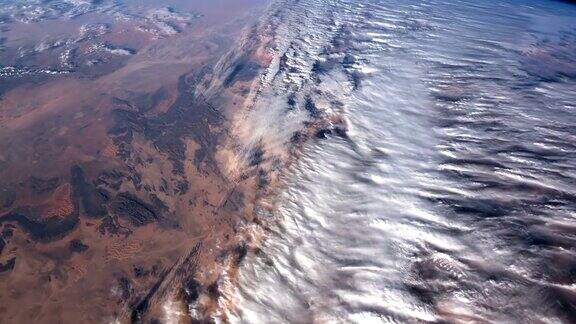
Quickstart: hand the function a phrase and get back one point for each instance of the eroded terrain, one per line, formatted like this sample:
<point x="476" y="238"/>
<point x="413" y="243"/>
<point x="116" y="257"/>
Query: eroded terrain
<point x="115" y="155"/>
<point x="288" y="161"/>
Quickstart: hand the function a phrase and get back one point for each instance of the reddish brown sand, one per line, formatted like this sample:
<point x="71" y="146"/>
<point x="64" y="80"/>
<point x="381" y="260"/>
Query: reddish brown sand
<point x="114" y="189"/>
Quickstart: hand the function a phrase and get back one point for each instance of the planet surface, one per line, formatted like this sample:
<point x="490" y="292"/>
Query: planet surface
<point x="287" y="161"/>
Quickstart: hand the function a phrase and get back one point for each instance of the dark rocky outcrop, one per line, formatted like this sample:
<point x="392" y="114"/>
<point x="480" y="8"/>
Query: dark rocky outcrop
<point x="7" y="198"/>
<point x="132" y="208"/>
<point x="243" y="70"/>
<point x="191" y="290"/>
<point x="76" y="245"/>
<point x="241" y="252"/>
<point x="8" y="265"/>
<point x="40" y="186"/>
<point x="43" y="230"/>
<point x="86" y="193"/>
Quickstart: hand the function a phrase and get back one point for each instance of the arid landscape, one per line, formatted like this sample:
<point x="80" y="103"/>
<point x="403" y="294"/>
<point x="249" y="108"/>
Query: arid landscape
<point x="287" y="161"/>
<point x="114" y="148"/>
